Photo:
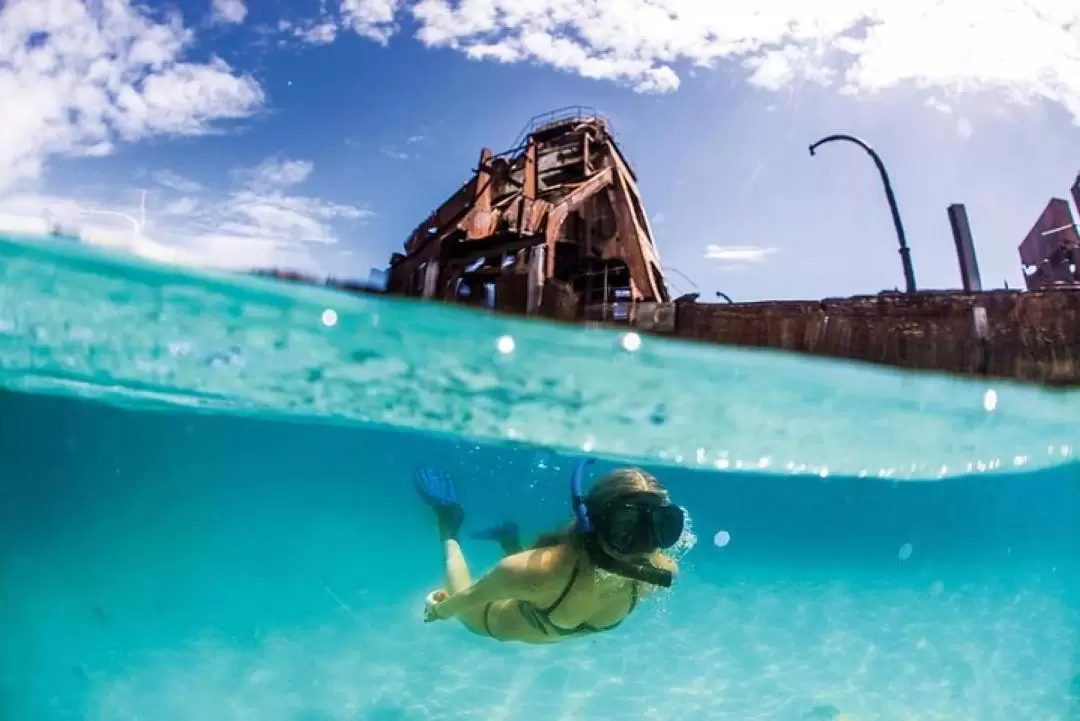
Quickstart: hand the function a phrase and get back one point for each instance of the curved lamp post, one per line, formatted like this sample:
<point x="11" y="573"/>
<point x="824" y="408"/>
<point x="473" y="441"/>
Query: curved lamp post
<point x="905" y="253"/>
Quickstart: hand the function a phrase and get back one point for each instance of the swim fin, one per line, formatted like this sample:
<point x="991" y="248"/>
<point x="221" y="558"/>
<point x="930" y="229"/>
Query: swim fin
<point x="437" y="490"/>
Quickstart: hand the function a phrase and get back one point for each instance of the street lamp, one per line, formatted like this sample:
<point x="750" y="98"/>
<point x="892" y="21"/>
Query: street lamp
<point x="905" y="253"/>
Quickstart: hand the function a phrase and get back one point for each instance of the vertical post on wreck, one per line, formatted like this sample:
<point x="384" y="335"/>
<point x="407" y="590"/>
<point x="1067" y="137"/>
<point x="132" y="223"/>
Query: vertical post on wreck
<point x="535" y="293"/>
<point x="972" y="283"/>
<point x="431" y="278"/>
<point x="965" y="248"/>
<point x="529" y="179"/>
<point x="482" y="189"/>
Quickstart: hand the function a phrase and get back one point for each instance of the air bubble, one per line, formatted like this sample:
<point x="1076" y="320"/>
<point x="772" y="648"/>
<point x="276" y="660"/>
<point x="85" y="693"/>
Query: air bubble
<point x="905" y="552"/>
<point x="505" y="344"/>
<point x="631" y="342"/>
<point x="329" y="317"/>
<point x="721" y="539"/>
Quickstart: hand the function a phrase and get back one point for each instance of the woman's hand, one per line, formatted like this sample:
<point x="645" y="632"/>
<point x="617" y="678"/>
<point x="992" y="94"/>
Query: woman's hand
<point x="431" y="605"/>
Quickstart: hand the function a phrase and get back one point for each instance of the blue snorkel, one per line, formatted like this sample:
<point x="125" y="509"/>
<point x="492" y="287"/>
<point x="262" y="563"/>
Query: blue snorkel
<point x="577" y="498"/>
<point x="638" y="571"/>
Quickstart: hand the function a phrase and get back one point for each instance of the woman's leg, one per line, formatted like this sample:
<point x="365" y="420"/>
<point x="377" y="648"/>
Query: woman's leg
<point x="438" y="492"/>
<point x="507" y="535"/>
<point x="457" y="570"/>
<point x="458" y="578"/>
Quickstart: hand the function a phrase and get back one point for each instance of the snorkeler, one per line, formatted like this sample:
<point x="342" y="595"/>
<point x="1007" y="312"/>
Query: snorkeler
<point x="569" y="584"/>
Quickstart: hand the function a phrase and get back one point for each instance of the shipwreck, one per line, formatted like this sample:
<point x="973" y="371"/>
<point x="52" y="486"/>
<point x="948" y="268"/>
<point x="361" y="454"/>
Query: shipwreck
<point x="554" y="226"/>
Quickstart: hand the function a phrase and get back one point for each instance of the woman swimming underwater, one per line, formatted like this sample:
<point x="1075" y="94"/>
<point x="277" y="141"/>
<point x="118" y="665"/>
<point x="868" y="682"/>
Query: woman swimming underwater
<point x="570" y="584"/>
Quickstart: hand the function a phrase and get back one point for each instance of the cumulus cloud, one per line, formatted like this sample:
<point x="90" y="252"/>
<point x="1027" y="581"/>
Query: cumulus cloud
<point x="259" y="220"/>
<point x="370" y="18"/>
<point x="228" y="11"/>
<point x="89" y="77"/>
<point x="1031" y="49"/>
<point x="79" y="77"/>
<point x="1026" y="50"/>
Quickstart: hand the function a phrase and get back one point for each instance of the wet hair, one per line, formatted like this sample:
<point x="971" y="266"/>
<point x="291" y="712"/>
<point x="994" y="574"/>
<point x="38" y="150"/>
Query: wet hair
<point x="622" y="482"/>
<point x="616" y="484"/>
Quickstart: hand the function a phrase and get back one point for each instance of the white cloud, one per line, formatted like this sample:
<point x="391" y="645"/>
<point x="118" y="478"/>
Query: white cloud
<point x="259" y="221"/>
<point x="738" y="253"/>
<point x="1026" y="50"/>
<point x="181" y="206"/>
<point x="1031" y="48"/>
<point x="275" y="174"/>
<point x="229" y="11"/>
<point x="370" y="18"/>
<point x="262" y="221"/>
<point x="322" y="33"/>
<point x="76" y="78"/>
<point x="171" y="180"/>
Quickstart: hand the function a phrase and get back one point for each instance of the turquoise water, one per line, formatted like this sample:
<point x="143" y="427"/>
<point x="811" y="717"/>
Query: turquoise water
<point x="206" y="513"/>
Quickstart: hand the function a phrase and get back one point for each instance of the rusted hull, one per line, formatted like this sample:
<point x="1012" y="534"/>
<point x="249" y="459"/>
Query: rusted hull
<point x="1032" y="336"/>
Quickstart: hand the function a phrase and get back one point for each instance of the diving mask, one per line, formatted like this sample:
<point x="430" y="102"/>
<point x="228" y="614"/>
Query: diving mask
<point x="639" y="523"/>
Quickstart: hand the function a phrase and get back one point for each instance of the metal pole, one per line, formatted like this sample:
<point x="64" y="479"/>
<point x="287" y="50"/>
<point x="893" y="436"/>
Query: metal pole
<point x="905" y="253"/>
<point x="604" y="315"/>
<point x="965" y="248"/>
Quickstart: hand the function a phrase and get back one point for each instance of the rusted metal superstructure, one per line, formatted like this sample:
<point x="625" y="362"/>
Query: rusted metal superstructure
<point x="1051" y="250"/>
<point x="552" y="226"/>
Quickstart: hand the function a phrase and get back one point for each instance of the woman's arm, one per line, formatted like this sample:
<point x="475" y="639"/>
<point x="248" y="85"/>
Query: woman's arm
<point x="519" y="577"/>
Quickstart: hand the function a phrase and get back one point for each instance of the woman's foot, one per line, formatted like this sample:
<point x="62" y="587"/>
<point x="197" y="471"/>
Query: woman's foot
<point x="506" y="534"/>
<point x="438" y="492"/>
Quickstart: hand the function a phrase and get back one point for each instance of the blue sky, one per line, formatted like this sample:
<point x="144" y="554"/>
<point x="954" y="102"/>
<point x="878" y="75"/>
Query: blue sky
<point x="316" y="135"/>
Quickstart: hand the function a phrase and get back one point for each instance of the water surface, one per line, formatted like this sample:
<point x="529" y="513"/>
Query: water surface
<point x="206" y="513"/>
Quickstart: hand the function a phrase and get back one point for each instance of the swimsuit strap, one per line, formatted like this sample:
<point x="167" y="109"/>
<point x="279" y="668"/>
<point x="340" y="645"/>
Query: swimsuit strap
<point x="546" y="613"/>
<point x="566" y="591"/>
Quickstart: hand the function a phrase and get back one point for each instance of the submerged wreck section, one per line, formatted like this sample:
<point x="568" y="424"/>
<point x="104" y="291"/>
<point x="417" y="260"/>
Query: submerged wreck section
<point x="553" y="226"/>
